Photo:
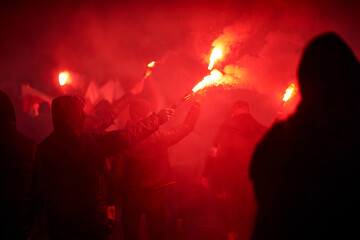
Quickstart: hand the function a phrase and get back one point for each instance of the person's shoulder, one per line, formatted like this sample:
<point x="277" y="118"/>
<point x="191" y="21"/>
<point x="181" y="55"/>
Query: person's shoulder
<point x="22" y="138"/>
<point x="48" y="141"/>
<point x="23" y="143"/>
<point x="278" y="127"/>
<point x="93" y="138"/>
<point x="269" y="147"/>
<point x="275" y="134"/>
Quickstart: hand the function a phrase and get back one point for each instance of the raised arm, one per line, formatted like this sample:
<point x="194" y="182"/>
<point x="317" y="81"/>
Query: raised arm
<point x="176" y="134"/>
<point x="116" y="141"/>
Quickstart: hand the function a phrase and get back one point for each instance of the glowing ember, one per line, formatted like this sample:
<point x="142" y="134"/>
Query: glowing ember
<point x="215" y="55"/>
<point x="209" y="80"/>
<point x="152" y="64"/>
<point x="289" y="92"/>
<point x="63" y="78"/>
<point x="148" y="70"/>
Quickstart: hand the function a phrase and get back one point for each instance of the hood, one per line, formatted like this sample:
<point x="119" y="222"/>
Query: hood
<point x="328" y="71"/>
<point x="7" y="112"/>
<point x="67" y="114"/>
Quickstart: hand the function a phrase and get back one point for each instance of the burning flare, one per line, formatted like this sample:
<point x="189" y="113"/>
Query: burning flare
<point x="64" y="78"/>
<point x="151" y="65"/>
<point x="289" y="92"/>
<point x="148" y="71"/>
<point x="209" y="80"/>
<point x="215" y="55"/>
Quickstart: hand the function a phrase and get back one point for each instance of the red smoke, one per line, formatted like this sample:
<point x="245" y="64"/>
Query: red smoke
<point x="101" y="41"/>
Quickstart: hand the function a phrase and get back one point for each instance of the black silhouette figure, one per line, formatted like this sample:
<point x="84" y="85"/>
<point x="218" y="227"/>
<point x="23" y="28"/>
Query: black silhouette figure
<point x="72" y="164"/>
<point x="306" y="170"/>
<point x="18" y="171"/>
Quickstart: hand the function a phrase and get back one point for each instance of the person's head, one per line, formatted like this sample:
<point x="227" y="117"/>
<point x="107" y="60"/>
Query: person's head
<point x="7" y="112"/>
<point x="103" y="107"/>
<point x="328" y="72"/>
<point x="67" y="113"/>
<point x="139" y="109"/>
<point x="240" y="107"/>
<point x="44" y="108"/>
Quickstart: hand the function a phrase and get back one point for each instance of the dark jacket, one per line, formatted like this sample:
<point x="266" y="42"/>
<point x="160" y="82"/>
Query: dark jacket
<point x="73" y="163"/>
<point x="235" y="143"/>
<point x="146" y="164"/>
<point x="17" y="171"/>
<point x="306" y="170"/>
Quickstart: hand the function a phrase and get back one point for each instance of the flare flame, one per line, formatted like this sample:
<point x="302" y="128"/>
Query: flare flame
<point x="211" y="79"/>
<point x="149" y="69"/>
<point x="64" y="78"/>
<point x="289" y="92"/>
<point x="151" y="65"/>
<point x="215" y="55"/>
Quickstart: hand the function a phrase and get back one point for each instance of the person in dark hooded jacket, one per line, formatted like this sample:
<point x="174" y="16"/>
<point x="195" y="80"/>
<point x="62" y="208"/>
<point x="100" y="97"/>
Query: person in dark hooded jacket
<point x="18" y="171"/>
<point x="227" y="168"/>
<point x="145" y="173"/>
<point x="306" y="169"/>
<point x="72" y="164"/>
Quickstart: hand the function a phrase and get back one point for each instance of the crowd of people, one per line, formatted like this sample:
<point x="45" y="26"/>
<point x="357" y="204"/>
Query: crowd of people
<point x="298" y="180"/>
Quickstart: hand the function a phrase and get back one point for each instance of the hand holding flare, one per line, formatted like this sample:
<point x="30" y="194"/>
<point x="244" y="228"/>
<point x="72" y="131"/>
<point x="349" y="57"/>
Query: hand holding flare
<point x="213" y="79"/>
<point x="210" y="80"/>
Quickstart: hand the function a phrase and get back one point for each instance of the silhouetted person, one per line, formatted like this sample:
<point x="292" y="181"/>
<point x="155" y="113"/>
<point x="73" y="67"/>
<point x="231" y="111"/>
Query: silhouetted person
<point x="228" y="168"/>
<point x="72" y="169"/>
<point x="18" y="176"/>
<point x="146" y="173"/>
<point x="306" y="170"/>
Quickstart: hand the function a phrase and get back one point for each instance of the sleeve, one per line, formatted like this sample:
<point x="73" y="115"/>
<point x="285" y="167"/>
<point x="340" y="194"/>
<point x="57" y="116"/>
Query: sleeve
<point x="100" y="123"/>
<point x="116" y="141"/>
<point x="211" y="159"/>
<point x="174" y="135"/>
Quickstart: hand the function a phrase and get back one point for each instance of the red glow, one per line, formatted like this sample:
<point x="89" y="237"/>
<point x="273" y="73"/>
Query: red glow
<point x="215" y="55"/>
<point x="148" y="71"/>
<point x="64" y="78"/>
<point x="152" y="64"/>
<point x="209" y="80"/>
<point x="290" y="91"/>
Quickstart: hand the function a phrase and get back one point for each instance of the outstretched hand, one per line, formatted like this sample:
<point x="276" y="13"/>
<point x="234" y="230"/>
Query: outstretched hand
<point x="165" y="114"/>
